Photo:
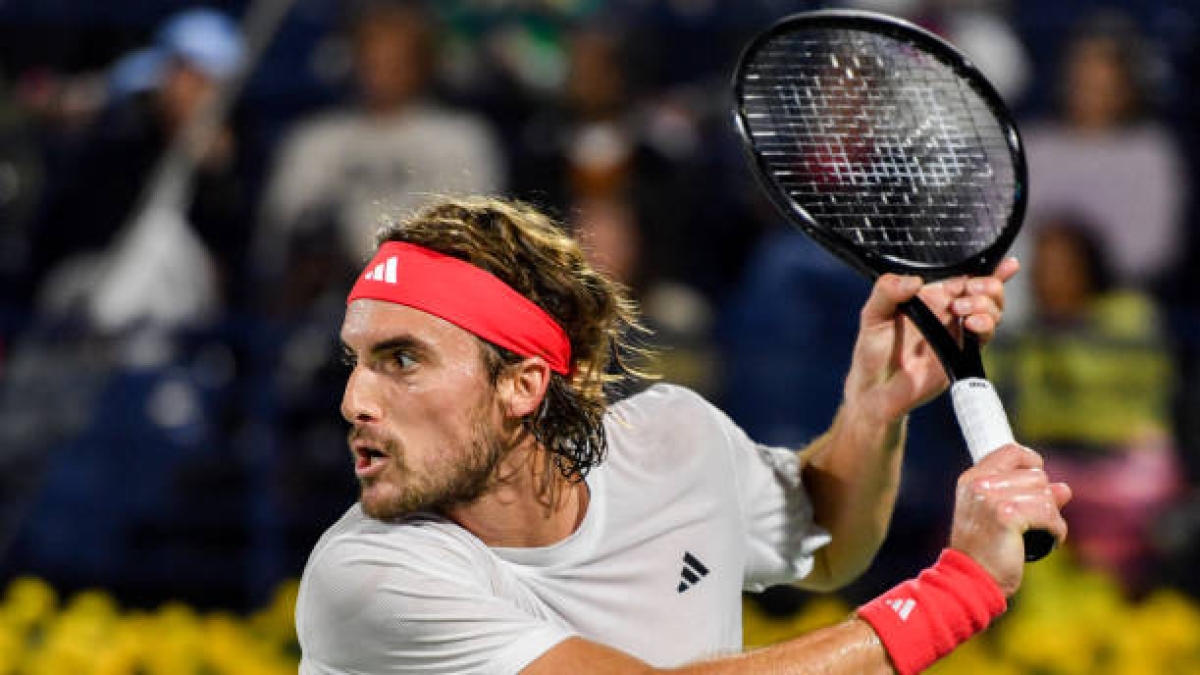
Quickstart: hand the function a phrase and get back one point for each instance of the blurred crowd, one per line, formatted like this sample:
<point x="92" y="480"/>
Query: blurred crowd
<point x="186" y="193"/>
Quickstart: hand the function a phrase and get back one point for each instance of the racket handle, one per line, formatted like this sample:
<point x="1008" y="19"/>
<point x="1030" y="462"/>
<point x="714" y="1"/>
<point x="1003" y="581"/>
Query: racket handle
<point x="980" y="416"/>
<point x="985" y="427"/>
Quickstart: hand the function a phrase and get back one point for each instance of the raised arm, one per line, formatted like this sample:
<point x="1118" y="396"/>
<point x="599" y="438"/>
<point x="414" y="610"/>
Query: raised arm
<point x="998" y="499"/>
<point x="852" y="473"/>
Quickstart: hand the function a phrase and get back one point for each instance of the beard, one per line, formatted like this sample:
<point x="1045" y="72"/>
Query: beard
<point x="465" y="479"/>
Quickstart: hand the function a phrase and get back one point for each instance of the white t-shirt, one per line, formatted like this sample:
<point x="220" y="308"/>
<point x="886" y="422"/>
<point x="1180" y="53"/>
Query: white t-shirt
<point x="685" y="512"/>
<point x="367" y="168"/>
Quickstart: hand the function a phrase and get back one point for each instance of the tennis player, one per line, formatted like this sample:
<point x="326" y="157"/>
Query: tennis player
<point x="512" y="521"/>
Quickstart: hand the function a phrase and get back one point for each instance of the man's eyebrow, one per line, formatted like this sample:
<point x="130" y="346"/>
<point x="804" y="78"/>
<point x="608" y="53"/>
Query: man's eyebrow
<point x="401" y="342"/>
<point x="406" y="342"/>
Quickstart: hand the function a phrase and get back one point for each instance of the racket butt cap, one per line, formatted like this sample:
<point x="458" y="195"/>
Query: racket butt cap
<point x="1038" y="544"/>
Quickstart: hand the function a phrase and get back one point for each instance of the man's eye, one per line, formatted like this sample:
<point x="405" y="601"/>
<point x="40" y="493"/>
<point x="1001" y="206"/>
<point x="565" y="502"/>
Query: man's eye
<point x="404" y="359"/>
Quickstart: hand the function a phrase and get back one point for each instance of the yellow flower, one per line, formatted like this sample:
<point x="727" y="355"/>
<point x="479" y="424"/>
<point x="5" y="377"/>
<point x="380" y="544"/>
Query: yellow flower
<point x="12" y="647"/>
<point x="974" y="657"/>
<point x="29" y="600"/>
<point x="1065" y="621"/>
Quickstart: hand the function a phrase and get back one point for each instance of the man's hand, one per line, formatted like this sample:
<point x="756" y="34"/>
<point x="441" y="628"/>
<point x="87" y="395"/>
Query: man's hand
<point x="894" y="369"/>
<point x="999" y="499"/>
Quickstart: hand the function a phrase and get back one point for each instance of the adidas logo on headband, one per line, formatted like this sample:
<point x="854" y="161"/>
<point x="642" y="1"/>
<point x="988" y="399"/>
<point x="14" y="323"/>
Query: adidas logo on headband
<point x="466" y="296"/>
<point x="384" y="271"/>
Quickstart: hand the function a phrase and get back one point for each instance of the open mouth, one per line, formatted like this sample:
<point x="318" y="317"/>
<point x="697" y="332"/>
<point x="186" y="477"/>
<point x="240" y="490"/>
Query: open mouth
<point x="368" y="459"/>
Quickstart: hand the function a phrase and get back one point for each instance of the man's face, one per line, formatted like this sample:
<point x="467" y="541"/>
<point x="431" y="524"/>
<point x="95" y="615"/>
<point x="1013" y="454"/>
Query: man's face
<point x="424" y="416"/>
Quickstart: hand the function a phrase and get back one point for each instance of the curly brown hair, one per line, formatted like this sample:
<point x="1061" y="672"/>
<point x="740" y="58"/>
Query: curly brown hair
<point x="531" y="253"/>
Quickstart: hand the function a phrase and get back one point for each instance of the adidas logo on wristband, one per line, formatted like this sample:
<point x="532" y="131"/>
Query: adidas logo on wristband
<point x="958" y="598"/>
<point x="903" y="607"/>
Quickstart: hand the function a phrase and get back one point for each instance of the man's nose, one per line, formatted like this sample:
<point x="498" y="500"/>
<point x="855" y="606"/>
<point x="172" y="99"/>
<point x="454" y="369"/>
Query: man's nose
<point x="359" y="402"/>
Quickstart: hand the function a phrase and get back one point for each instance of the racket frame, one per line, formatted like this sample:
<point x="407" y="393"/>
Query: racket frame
<point x="871" y="263"/>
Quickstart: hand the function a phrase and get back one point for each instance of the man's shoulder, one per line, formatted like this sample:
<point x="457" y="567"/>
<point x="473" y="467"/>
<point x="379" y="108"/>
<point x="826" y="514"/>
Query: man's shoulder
<point x="419" y="544"/>
<point x="358" y="557"/>
<point x="663" y="402"/>
<point x="667" y="423"/>
<point x="372" y="587"/>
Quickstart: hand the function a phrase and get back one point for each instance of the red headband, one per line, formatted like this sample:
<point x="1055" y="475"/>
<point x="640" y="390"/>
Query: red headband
<point x="467" y="297"/>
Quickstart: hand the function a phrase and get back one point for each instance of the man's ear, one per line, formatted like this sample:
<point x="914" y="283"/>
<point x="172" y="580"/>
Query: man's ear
<point x="523" y="385"/>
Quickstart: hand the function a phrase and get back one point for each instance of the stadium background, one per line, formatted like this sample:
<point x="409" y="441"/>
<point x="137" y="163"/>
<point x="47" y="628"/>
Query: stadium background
<point x="162" y="479"/>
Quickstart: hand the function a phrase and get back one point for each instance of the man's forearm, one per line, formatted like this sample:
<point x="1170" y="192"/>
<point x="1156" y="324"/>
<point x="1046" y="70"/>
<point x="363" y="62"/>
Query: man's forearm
<point x="850" y="647"/>
<point x="852" y="475"/>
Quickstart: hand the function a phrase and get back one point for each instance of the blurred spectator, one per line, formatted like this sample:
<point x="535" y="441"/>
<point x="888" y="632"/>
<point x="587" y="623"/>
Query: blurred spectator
<point x="980" y="28"/>
<point x="599" y="140"/>
<point x="152" y="95"/>
<point x="338" y="174"/>
<point x="788" y="308"/>
<point x="679" y="318"/>
<point x="110" y="438"/>
<point x="1107" y="157"/>
<point x="22" y="175"/>
<point x="1089" y="382"/>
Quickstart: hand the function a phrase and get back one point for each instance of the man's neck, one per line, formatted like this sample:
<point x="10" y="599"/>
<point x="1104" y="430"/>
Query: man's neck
<point x="527" y="508"/>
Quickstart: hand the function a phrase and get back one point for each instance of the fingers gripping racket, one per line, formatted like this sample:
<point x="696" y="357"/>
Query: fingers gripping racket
<point x="886" y="146"/>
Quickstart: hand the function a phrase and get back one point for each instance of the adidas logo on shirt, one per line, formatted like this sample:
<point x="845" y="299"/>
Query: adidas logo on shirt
<point x="693" y="570"/>
<point x="384" y="271"/>
<point x="902" y="607"/>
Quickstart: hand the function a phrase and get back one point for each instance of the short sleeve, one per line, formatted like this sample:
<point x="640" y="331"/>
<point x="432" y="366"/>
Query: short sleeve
<point x="776" y="516"/>
<point x="781" y="537"/>
<point x="371" y="608"/>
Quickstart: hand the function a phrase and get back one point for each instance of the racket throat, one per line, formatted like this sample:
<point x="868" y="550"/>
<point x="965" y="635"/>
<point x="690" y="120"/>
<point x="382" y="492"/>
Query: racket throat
<point x="960" y="361"/>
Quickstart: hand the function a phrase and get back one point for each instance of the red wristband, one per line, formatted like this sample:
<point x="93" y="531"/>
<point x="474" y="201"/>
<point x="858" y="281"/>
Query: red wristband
<point x="923" y="619"/>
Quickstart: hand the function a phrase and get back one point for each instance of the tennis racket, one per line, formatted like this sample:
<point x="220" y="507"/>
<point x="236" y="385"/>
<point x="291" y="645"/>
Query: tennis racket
<point x="890" y="149"/>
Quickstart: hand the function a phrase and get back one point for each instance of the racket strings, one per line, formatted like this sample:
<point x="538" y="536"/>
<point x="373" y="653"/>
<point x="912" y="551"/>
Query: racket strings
<point x="880" y="142"/>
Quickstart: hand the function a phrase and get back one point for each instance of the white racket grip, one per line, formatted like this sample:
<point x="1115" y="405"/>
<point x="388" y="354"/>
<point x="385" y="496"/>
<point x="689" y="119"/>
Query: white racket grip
<point x="980" y="416"/>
